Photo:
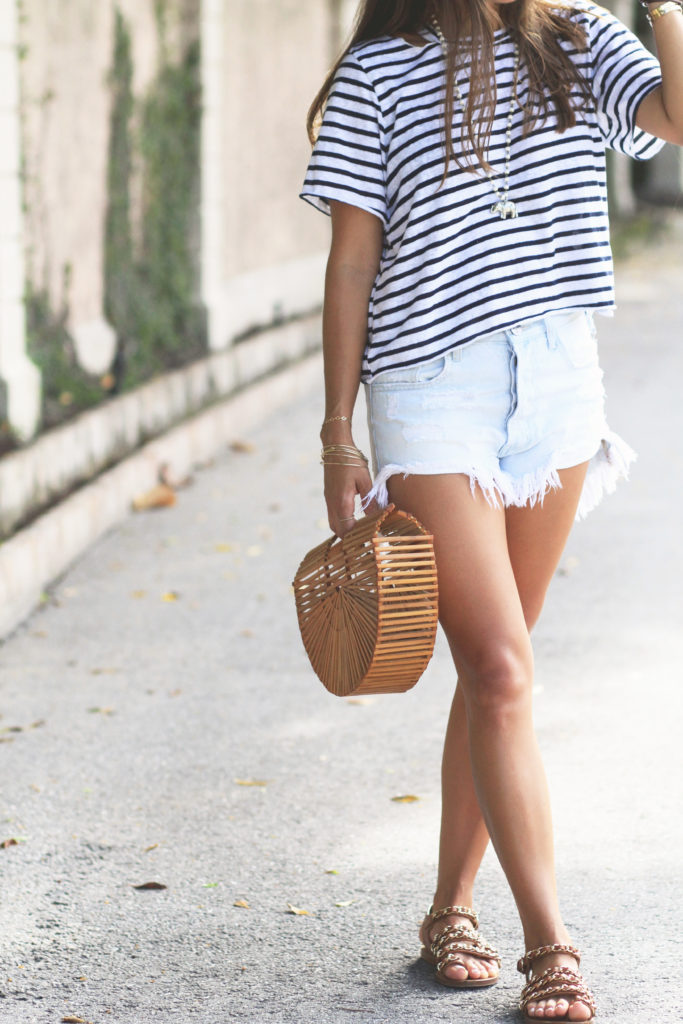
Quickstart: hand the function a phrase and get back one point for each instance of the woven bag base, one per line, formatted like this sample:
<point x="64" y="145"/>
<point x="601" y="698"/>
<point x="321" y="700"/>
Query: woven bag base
<point x="368" y="605"/>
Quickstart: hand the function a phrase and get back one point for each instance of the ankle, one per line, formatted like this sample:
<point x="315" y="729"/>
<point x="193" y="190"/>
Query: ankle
<point x="549" y="935"/>
<point x="452" y="897"/>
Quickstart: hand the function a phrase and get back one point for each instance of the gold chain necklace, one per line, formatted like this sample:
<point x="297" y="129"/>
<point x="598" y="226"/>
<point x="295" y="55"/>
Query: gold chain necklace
<point x="505" y="206"/>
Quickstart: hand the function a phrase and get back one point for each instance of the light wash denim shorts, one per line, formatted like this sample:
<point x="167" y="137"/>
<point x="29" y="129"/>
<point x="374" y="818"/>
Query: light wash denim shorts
<point x="508" y="409"/>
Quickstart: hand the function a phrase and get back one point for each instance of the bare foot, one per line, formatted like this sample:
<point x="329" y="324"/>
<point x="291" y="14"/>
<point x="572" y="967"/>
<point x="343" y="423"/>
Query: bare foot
<point x="567" y="1009"/>
<point x="475" y="967"/>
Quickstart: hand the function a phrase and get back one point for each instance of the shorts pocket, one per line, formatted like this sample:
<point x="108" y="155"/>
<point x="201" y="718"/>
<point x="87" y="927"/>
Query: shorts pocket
<point x="411" y="376"/>
<point x="580" y="343"/>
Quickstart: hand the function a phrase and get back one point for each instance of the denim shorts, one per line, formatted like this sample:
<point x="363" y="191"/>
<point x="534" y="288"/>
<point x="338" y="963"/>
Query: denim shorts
<point x="508" y="409"/>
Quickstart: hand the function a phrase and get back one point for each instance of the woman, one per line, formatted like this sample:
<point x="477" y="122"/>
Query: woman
<point x="462" y="158"/>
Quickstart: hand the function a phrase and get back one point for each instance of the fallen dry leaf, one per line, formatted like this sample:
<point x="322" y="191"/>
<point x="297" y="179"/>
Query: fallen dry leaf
<point x="344" y="903"/>
<point x="9" y="842"/>
<point x="242" y="903"/>
<point x="70" y="1019"/>
<point x="291" y="909"/>
<point x="176" y="483"/>
<point x="37" y="724"/>
<point x="148" y="849"/>
<point x="170" y="596"/>
<point x="101" y="711"/>
<point x="223" y="548"/>
<point x="243" y="447"/>
<point x="151" y="885"/>
<point x="251" y="782"/>
<point x="331" y="871"/>
<point x="409" y="798"/>
<point x="160" y="496"/>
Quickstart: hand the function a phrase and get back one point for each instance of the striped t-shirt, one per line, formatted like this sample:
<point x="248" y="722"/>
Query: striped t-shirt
<point x="451" y="270"/>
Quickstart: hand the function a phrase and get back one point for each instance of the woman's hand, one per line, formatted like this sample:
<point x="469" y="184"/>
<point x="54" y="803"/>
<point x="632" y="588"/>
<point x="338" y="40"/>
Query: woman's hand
<point x="342" y="484"/>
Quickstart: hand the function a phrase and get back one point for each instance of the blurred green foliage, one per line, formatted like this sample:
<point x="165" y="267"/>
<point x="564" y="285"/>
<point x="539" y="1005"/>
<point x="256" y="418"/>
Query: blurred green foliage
<point x="151" y="288"/>
<point x="151" y="266"/>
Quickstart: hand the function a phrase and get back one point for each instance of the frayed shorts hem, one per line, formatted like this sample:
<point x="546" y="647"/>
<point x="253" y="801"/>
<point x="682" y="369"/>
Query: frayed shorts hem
<point x="609" y="461"/>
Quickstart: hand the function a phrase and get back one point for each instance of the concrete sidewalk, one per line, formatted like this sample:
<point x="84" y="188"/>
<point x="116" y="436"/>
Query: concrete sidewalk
<point x="165" y="671"/>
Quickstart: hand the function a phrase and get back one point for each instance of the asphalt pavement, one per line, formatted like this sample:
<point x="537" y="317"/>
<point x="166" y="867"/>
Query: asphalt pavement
<point x="160" y="724"/>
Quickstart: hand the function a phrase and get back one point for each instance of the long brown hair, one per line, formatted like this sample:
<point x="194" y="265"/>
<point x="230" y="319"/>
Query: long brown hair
<point x="537" y="28"/>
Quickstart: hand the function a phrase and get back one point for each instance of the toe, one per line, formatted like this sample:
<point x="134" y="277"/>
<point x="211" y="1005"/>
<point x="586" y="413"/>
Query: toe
<point x="579" y="1011"/>
<point x="561" y="1007"/>
<point x="475" y="968"/>
<point x="456" y="972"/>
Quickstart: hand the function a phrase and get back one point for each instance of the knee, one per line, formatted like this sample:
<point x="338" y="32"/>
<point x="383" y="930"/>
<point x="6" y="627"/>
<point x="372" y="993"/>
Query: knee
<point x="500" y="683"/>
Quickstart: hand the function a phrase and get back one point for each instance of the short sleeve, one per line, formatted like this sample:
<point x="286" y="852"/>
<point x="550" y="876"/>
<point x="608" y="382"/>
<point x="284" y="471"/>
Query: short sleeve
<point x="624" y="72"/>
<point x="347" y="162"/>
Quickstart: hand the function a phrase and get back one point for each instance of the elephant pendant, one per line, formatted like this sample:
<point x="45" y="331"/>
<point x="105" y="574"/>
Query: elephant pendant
<point x="506" y="208"/>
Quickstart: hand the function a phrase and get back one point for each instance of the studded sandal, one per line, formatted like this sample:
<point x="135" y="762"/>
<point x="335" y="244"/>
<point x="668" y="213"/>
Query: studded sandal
<point x="454" y="941"/>
<point x="553" y="983"/>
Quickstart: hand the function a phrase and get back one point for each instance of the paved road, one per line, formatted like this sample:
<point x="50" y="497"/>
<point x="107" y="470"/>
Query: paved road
<point x="129" y="716"/>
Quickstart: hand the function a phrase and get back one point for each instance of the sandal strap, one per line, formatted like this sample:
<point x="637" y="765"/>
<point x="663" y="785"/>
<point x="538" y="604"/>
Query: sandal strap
<point x="454" y="940"/>
<point x="467" y="912"/>
<point x="525" y="962"/>
<point x="554" y="982"/>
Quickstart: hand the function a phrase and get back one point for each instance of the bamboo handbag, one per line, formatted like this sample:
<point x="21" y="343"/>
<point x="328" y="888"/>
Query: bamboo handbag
<point x="368" y="605"/>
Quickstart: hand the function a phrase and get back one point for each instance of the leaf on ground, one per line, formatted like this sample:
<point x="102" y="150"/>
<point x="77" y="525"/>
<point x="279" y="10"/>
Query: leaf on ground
<point x="12" y="841"/>
<point x="170" y="596"/>
<point x="210" y="885"/>
<point x="242" y="904"/>
<point x="151" y="885"/>
<point x="297" y="911"/>
<point x="344" y="903"/>
<point x="101" y="711"/>
<point x="243" y="447"/>
<point x="148" y="849"/>
<point x="409" y="798"/>
<point x="331" y="871"/>
<point x="71" y="1019"/>
<point x="223" y="548"/>
<point x="6" y="739"/>
<point x="39" y="722"/>
<point x="167" y="478"/>
<point x="161" y="496"/>
<point x="251" y="782"/>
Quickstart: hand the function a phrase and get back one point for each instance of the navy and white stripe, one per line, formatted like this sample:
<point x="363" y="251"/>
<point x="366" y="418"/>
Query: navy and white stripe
<point x="450" y="269"/>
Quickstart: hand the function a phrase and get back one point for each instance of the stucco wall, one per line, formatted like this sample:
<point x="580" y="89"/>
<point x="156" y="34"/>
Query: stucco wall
<point x="275" y="57"/>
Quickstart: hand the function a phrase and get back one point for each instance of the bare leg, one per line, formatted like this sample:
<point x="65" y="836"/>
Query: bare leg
<point x="494" y="569"/>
